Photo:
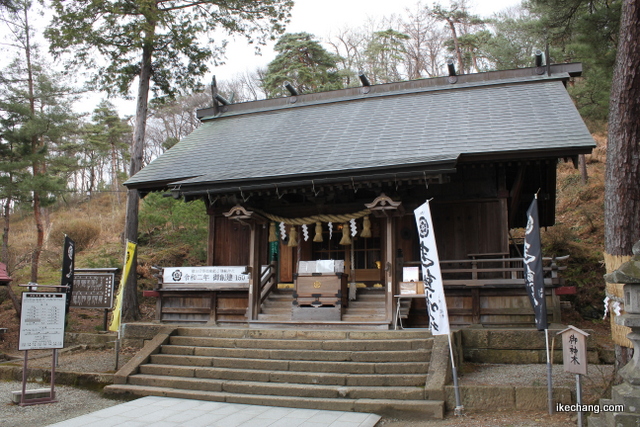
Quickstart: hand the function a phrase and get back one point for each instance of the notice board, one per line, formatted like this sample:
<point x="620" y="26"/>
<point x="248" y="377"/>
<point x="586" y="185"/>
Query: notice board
<point x="42" y="321"/>
<point x="92" y="290"/>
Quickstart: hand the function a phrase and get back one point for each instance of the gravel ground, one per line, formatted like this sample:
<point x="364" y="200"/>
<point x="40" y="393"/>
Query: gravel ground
<point x="73" y="402"/>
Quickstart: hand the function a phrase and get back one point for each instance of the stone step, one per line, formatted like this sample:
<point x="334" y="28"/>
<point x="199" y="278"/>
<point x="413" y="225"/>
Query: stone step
<point x="296" y="354"/>
<point x="278" y="389"/>
<point x="415" y="408"/>
<point x="626" y="395"/>
<point x="300" y="334"/>
<point x="595" y="421"/>
<point x="302" y="344"/>
<point x="293" y="365"/>
<point x="321" y="378"/>
<point x="379" y="371"/>
<point x="621" y="419"/>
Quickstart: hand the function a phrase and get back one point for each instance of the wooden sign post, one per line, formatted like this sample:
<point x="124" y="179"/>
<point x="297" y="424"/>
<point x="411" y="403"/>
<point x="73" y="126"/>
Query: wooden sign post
<point x="574" y="359"/>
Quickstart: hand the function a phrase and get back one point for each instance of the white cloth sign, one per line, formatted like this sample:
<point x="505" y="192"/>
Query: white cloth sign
<point x="431" y="274"/>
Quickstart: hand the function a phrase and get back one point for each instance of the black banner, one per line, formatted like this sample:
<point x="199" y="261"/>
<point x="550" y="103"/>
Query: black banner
<point x="68" y="258"/>
<point x="533" y="273"/>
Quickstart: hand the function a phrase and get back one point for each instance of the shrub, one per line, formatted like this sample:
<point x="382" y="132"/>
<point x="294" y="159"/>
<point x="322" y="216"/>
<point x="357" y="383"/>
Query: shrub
<point x="83" y="232"/>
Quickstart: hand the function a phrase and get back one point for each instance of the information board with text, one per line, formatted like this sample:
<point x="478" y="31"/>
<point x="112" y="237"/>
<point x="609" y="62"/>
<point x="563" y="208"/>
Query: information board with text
<point x="93" y="290"/>
<point x="42" y="321"/>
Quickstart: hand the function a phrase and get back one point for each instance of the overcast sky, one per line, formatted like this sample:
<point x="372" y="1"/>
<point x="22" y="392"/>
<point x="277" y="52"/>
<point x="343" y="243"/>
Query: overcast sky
<point x="320" y="18"/>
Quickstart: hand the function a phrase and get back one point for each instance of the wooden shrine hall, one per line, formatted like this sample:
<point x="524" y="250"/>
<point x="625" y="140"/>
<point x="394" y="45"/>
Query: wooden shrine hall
<point x="311" y="197"/>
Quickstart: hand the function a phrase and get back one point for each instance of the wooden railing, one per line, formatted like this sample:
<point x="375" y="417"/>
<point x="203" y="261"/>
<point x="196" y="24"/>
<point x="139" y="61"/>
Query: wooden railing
<point x="267" y="281"/>
<point x="479" y="271"/>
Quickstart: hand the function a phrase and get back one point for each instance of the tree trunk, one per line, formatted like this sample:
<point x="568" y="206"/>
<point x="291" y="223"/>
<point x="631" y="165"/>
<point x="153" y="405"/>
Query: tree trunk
<point x="456" y="44"/>
<point x="115" y="185"/>
<point x="35" y="256"/>
<point x="582" y="164"/>
<point x="622" y="192"/>
<point x="130" y="309"/>
<point x="35" y="148"/>
<point x="6" y="229"/>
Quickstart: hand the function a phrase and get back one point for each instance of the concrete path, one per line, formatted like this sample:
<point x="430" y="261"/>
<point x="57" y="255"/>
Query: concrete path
<point x="172" y="412"/>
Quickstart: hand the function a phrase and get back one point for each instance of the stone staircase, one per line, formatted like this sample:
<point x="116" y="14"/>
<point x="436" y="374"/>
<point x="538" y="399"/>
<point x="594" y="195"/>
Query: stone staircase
<point x="382" y="372"/>
<point x="624" y="396"/>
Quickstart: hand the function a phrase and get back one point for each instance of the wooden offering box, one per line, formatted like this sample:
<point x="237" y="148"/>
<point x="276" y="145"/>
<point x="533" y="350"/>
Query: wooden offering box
<point x="319" y="296"/>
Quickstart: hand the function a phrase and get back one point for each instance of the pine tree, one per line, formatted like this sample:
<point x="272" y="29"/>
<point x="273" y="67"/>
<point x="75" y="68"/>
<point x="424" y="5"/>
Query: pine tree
<point x="303" y="62"/>
<point x="36" y="124"/>
<point x="159" y="42"/>
<point x="584" y="31"/>
<point x="622" y="175"/>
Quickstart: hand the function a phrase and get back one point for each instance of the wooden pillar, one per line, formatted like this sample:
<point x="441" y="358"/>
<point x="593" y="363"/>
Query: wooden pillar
<point x="390" y="209"/>
<point x="211" y="235"/>
<point x="390" y="267"/>
<point x="254" y="264"/>
<point x="255" y="222"/>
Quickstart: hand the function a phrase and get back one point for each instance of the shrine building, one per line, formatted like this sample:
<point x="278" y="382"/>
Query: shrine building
<point x="310" y="200"/>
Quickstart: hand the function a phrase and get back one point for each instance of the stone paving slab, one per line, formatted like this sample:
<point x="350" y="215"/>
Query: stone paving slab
<point x="171" y="412"/>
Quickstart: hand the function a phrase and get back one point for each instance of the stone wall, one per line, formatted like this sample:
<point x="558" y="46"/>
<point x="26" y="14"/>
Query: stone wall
<point x="518" y="346"/>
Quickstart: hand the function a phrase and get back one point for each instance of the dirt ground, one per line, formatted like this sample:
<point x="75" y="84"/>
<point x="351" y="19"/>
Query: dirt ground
<point x="489" y="419"/>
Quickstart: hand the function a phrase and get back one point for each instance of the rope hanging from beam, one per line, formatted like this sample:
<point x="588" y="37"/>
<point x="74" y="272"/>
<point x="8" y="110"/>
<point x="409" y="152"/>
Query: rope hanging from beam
<point x="317" y="218"/>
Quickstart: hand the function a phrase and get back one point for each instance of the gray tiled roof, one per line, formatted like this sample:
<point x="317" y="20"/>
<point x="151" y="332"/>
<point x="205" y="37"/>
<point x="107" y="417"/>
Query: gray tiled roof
<point x="411" y="128"/>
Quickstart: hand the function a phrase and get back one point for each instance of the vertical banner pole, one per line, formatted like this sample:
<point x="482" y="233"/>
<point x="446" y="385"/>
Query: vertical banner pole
<point x="434" y="287"/>
<point x="24" y="377"/>
<point x="549" y="376"/>
<point x="459" y="408"/>
<point x="54" y="363"/>
<point x="117" y="348"/>
<point x="579" y="399"/>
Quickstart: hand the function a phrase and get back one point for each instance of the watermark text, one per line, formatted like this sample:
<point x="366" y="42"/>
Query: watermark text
<point x="594" y="409"/>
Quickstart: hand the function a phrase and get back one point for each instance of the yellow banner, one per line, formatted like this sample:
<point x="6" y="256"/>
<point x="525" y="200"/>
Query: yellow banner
<point x="117" y="309"/>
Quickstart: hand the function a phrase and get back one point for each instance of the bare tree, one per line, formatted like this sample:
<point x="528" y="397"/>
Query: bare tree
<point x="425" y="46"/>
<point x="243" y="87"/>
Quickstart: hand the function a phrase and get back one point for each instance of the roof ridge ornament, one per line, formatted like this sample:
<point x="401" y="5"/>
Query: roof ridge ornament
<point x="453" y="77"/>
<point x="366" y="84"/>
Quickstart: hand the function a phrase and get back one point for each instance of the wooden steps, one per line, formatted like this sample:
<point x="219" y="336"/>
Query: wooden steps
<point x="368" y="307"/>
<point x="367" y="371"/>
